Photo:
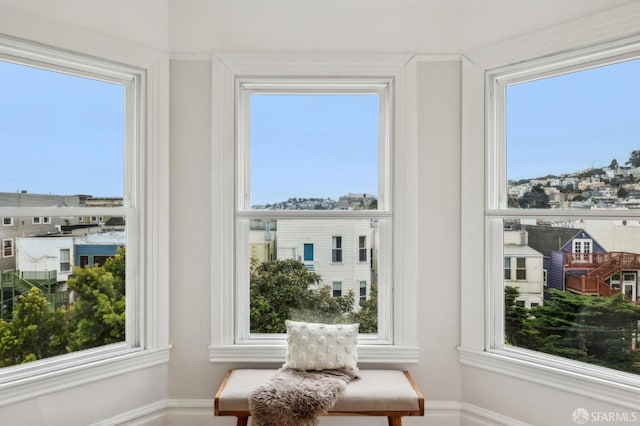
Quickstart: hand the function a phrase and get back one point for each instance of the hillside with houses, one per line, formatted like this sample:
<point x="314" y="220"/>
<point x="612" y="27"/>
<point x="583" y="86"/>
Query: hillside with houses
<point x="614" y="186"/>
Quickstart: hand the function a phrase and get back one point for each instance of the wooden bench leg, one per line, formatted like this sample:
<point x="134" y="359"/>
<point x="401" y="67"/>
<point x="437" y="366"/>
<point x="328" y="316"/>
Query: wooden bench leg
<point x="395" y="420"/>
<point x="242" y="421"/>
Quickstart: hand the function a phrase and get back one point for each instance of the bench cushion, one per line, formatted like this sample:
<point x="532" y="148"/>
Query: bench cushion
<point x="375" y="391"/>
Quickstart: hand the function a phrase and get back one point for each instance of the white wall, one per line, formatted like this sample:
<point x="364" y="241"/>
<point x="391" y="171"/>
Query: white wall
<point x="414" y="26"/>
<point x="144" y="22"/>
<point x="84" y="396"/>
<point x="194" y="28"/>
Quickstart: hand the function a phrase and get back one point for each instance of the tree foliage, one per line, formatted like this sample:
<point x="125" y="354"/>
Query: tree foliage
<point x="97" y="316"/>
<point x="367" y="316"/>
<point x="597" y="330"/>
<point x="536" y="198"/>
<point x="284" y="289"/>
<point x="35" y="332"/>
<point x="634" y="158"/>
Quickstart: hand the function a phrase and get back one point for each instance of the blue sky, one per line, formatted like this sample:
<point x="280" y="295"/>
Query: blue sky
<point x="571" y="122"/>
<point x="60" y="134"/>
<point x="313" y="146"/>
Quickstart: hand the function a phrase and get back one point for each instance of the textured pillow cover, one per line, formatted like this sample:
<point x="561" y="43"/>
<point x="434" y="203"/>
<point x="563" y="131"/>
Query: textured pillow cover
<point x="314" y="346"/>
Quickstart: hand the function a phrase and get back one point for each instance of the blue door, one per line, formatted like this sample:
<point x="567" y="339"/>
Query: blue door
<point x="308" y="252"/>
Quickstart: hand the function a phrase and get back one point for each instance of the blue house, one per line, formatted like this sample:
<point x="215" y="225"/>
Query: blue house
<point x="576" y="262"/>
<point x="95" y="249"/>
<point x="557" y="245"/>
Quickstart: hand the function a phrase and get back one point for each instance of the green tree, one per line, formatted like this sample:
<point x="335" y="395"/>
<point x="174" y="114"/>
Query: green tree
<point x="284" y="289"/>
<point x="367" y="316"/>
<point x="35" y="332"/>
<point x="614" y="164"/>
<point x="597" y="330"/>
<point x="622" y="193"/>
<point x="97" y="316"/>
<point x="634" y="158"/>
<point x="536" y="198"/>
<point x="517" y="331"/>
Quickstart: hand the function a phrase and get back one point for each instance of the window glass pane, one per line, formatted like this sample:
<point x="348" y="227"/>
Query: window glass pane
<point x="53" y="280"/>
<point x="589" y="309"/>
<point x="572" y="139"/>
<point x="63" y="136"/>
<point x="314" y="152"/>
<point x="284" y="284"/>
<point x="81" y="304"/>
<point x="571" y="143"/>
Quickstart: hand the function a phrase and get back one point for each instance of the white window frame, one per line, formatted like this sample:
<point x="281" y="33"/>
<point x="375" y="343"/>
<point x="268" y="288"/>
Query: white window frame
<point x="362" y="249"/>
<point x="146" y="157"/>
<point x="246" y="87"/>
<point x="229" y="70"/>
<point x="507" y="260"/>
<point x="65" y="264"/>
<point x="336" y="249"/>
<point x="485" y="185"/>
<point x="523" y="268"/>
<point x="6" y="222"/>
<point x="11" y="245"/>
<point x="336" y="286"/>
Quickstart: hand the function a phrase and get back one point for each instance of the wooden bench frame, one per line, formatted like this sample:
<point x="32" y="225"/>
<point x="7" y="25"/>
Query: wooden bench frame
<point x="394" y="417"/>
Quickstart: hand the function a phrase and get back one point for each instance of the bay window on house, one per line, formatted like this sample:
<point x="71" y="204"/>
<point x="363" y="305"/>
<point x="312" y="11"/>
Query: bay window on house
<point x="562" y="161"/>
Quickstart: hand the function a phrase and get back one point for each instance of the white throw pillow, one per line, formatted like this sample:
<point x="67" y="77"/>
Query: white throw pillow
<point x="314" y="346"/>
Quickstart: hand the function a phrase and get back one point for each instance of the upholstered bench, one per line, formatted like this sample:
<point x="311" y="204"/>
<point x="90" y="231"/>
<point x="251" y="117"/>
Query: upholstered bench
<point x="389" y="393"/>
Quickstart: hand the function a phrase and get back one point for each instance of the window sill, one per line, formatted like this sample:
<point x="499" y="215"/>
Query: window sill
<point x="32" y="380"/>
<point x="569" y="376"/>
<point x="274" y="353"/>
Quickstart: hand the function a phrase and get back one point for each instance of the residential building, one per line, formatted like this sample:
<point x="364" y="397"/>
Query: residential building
<point x="95" y="249"/>
<point x="342" y="252"/>
<point x="575" y="261"/>
<point x="523" y="269"/>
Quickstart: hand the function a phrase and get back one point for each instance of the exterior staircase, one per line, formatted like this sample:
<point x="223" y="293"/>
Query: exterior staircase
<point x="600" y="267"/>
<point x="14" y="284"/>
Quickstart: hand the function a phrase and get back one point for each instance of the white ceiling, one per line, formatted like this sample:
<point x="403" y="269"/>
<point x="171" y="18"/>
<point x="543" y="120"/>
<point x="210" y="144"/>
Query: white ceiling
<point x="411" y="26"/>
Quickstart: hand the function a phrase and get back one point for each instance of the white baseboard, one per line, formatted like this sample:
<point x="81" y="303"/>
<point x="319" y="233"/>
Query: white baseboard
<point x="472" y="415"/>
<point x="199" y="412"/>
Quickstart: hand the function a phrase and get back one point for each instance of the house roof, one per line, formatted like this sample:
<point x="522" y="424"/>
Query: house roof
<point x="108" y="238"/>
<point x="546" y="239"/>
<point x="520" y="250"/>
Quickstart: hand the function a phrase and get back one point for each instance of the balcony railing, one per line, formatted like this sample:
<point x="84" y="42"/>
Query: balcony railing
<point x="596" y="260"/>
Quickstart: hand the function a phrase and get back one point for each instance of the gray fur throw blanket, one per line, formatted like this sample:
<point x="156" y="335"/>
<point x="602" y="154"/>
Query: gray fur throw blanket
<point x="297" y="398"/>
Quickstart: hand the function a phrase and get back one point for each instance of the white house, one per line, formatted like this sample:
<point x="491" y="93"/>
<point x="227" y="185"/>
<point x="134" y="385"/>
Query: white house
<point x="338" y="250"/>
<point x="45" y="254"/>
<point x="523" y="270"/>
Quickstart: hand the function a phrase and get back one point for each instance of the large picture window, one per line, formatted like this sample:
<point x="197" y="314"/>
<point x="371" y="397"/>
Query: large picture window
<point x="564" y="170"/>
<point x="72" y="152"/>
<point x="312" y="185"/>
